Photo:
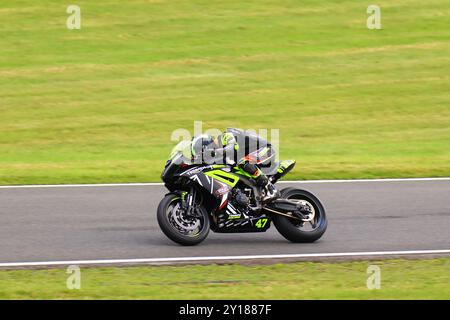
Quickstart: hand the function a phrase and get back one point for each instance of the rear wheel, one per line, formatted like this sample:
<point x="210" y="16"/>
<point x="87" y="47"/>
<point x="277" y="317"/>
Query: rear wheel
<point x="313" y="225"/>
<point x="187" y="230"/>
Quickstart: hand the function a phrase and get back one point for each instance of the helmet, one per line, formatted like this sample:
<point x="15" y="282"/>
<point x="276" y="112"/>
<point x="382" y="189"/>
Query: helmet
<point x="200" y="143"/>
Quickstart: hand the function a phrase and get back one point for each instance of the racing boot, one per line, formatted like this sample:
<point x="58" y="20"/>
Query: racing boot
<point x="266" y="188"/>
<point x="270" y="192"/>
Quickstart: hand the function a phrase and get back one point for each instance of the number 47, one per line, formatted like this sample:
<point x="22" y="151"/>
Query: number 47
<point x="261" y="223"/>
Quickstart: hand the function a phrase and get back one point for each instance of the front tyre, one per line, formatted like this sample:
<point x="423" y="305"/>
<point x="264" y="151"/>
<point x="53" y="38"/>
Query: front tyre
<point x="313" y="226"/>
<point x="177" y="226"/>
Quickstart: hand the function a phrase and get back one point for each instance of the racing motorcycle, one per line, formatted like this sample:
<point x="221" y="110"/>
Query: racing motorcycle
<point x="225" y="199"/>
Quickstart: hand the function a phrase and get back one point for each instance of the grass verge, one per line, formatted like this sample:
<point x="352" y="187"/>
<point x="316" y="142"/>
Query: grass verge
<point x="99" y="104"/>
<point x="400" y="279"/>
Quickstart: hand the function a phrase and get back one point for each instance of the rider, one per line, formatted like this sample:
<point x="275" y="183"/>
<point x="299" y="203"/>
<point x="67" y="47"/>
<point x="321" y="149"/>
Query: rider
<point x="222" y="150"/>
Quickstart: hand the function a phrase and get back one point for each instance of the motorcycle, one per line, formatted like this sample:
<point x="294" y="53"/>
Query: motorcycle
<point x="225" y="199"/>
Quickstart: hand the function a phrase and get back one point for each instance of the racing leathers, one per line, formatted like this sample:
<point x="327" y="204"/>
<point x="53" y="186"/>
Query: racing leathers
<point x="226" y="147"/>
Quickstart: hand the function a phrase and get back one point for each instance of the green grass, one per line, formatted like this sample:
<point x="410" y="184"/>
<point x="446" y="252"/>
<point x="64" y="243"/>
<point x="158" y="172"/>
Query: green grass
<point x="99" y="104"/>
<point x="400" y="279"/>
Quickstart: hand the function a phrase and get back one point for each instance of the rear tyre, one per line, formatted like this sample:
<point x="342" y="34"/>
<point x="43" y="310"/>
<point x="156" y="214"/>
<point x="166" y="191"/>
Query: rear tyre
<point x="303" y="231"/>
<point x="179" y="227"/>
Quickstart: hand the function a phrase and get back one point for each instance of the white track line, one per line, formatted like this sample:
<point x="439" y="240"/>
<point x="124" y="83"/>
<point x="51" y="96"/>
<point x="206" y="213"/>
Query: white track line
<point x="83" y="185"/>
<point x="223" y="258"/>
<point x="161" y="184"/>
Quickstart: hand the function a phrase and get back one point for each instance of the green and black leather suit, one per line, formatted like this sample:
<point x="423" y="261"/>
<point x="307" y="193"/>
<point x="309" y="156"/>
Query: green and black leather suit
<point x="226" y="147"/>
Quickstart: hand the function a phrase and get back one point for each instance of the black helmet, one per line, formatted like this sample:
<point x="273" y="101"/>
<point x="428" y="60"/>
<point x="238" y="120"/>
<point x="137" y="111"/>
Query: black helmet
<point x="200" y="143"/>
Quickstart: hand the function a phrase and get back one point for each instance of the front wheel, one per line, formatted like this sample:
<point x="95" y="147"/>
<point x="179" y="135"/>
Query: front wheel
<point x="308" y="230"/>
<point x="178" y="226"/>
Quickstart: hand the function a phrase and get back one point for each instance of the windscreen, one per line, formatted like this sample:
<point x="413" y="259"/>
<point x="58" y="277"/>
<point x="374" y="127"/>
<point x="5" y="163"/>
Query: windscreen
<point x="183" y="148"/>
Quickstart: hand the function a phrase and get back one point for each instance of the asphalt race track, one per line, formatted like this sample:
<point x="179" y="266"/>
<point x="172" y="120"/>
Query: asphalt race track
<point x="119" y="222"/>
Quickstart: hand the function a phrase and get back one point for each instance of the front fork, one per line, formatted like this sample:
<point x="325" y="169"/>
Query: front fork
<point x="188" y="202"/>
